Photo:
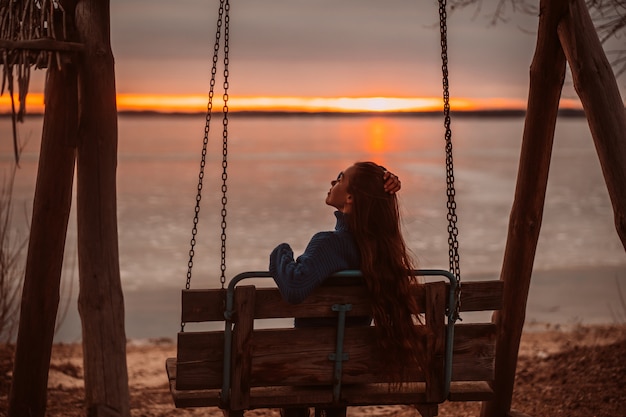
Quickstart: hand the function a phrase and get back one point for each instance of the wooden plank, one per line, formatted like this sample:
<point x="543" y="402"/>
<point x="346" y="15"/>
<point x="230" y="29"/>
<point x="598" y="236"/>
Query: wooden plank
<point x="194" y="398"/>
<point x="200" y="360"/>
<point x="189" y="398"/>
<point x="353" y="395"/>
<point x="474" y="352"/>
<point x="271" y="305"/>
<point x="300" y="357"/>
<point x="43" y="44"/>
<point x="170" y="368"/>
<point x="470" y="391"/>
<point x="208" y="304"/>
<point x="242" y="350"/>
<point x="412" y="393"/>
<point x="436" y="345"/>
<point x="384" y="394"/>
<point x="199" y="346"/>
<point x="475" y="296"/>
<point x="198" y="375"/>
<point x="481" y="295"/>
<point x="285" y="396"/>
<point x="203" y="305"/>
<point x="294" y="356"/>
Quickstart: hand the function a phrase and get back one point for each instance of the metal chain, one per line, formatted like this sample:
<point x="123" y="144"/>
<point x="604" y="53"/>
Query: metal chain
<point x="225" y="144"/>
<point x="194" y="230"/>
<point x="453" y="231"/>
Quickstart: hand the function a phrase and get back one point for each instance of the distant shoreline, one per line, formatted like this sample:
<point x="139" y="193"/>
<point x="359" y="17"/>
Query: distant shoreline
<point x="505" y="113"/>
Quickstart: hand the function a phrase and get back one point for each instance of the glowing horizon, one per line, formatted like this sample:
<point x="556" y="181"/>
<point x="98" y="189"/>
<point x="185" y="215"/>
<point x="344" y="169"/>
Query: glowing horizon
<point x="198" y="103"/>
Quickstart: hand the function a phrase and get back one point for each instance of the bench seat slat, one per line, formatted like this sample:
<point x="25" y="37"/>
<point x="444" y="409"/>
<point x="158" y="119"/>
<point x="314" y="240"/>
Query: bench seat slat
<point x="474" y="352"/>
<point x="194" y="346"/>
<point x="355" y="395"/>
<point x="200" y="360"/>
<point x="271" y="305"/>
<point x="283" y="350"/>
<point x="481" y="295"/>
<point x="208" y="305"/>
<point x="203" y="305"/>
<point x="470" y="391"/>
<point x="189" y="398"/>
<point x="277" y="352"/>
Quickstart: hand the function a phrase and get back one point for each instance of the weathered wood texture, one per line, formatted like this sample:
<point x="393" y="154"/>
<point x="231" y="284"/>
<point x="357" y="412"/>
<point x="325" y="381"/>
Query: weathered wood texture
<point x="51" y="210"/>
<point x="565" y="32"/>
<point x="41" y="44"/>
<point x="547" y="73"/>
<point x="285" y="366"/>
<point x="100" y="301"/>
<point x="208" y="305"/>
<point x="597" y="88"/>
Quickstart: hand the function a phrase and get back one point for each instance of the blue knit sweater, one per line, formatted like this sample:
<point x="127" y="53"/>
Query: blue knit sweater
<point x="326" y="253"/>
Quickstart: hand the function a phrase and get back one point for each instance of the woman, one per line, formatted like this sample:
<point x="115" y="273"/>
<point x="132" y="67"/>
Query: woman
<point x="329" y="252"/>
<point x="367" y="237"/>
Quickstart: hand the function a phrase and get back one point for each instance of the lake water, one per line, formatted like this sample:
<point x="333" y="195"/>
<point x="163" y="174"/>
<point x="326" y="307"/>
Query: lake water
<point x="280" y="170"/>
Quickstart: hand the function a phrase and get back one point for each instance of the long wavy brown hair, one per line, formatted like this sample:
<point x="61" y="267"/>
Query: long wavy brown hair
<point x="387" y="268"/>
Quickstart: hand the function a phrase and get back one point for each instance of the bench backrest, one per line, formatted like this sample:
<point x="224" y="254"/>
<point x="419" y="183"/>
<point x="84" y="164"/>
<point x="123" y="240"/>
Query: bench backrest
<point x="290" y="356"/>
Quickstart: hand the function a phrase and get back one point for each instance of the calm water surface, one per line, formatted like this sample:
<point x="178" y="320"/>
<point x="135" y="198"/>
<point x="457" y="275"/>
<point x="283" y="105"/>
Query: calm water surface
<point x="280" y="170"/>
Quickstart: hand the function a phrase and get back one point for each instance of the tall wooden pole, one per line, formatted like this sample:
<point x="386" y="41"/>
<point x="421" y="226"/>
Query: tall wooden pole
<point x="597" y="88"/>
<point x="547" y="73"/>
<point x="44" y="261"/>
<point x="48" y="230"/>
<point x="567" y="21"/>
<point x="100" y="301"/>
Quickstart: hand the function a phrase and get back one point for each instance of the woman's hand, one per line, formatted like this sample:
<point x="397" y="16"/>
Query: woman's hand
<point x="392" y="182"/>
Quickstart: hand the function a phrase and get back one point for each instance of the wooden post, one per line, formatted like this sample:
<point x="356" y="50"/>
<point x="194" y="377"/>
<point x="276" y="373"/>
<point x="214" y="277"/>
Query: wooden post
<point x="597" y="88"/>
<point x="44" y="261"/>
<point x="100" y="301"/>
<point x="547" y="73"/>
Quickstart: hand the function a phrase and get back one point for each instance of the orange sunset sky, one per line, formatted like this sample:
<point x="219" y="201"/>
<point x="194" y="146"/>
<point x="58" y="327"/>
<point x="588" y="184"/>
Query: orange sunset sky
<point x="317" y="55"/>
<point x="167" y="103"/>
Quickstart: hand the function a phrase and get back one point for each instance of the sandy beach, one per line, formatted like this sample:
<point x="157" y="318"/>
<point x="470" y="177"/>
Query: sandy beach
<point x="561" y="372"/>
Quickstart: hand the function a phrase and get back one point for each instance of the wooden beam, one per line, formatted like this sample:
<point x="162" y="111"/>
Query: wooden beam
<point x="597" y="88"/>
<point x="547" y="73"/>
<point x="42" y="44"/>
<point x="100" y="301"/>
<point x="209" y="304"/>
<point x="48" y="230"/>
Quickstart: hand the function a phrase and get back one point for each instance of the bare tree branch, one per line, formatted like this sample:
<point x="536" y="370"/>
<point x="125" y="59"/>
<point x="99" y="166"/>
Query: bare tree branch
<point x="609" y="17"/>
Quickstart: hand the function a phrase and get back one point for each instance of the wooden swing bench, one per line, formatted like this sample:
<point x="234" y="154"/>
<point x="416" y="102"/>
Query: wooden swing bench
<point x="278" y="366"/>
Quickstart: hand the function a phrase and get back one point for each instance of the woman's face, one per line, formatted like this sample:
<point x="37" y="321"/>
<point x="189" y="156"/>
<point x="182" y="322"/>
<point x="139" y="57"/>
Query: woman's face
<point x="338" y="195"/>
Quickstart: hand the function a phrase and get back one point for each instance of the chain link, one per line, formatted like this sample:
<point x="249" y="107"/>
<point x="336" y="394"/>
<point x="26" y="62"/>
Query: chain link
<point x="453" y="232"/>
<point x="225" y="144"/>
<point x="205" y="141"/>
